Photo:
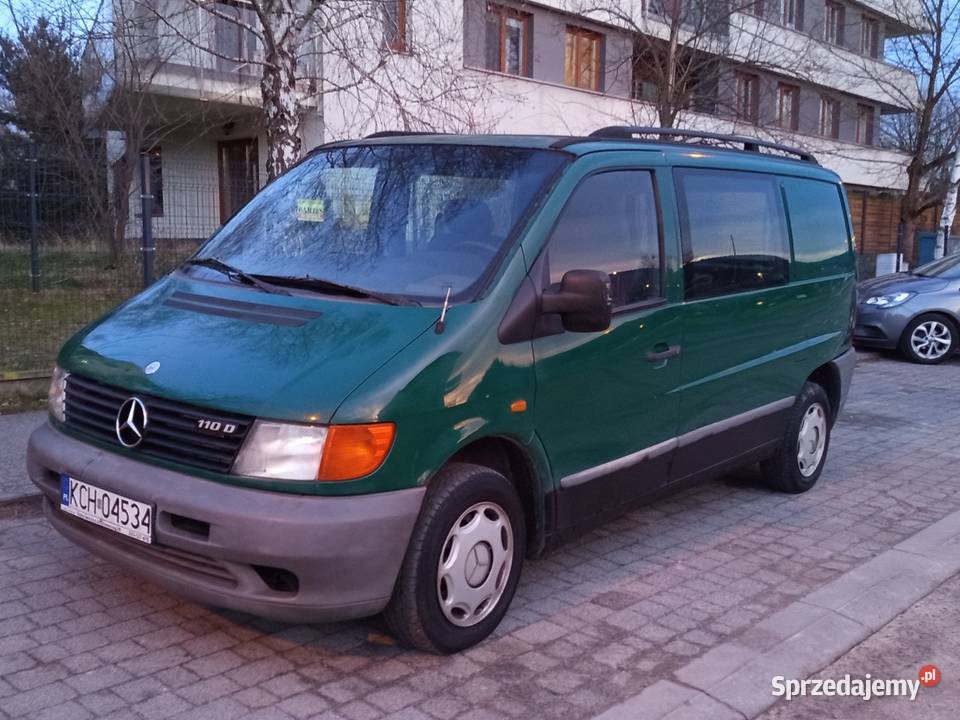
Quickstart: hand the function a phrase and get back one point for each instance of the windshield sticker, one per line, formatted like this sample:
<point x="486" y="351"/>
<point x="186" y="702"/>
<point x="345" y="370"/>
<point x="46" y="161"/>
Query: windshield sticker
<point x="311" y="210"/>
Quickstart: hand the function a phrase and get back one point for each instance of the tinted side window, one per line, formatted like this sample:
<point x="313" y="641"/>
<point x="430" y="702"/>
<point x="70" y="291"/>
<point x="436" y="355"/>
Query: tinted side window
<point x="734" y="232"/>
<point x="610" y="224"/>
<point x="821" y="239"/>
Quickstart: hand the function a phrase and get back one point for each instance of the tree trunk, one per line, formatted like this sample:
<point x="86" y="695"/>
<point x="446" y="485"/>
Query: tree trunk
<point x="281" y="109"/>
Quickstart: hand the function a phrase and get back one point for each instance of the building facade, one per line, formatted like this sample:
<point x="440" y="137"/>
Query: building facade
<point x="809" y="73"/>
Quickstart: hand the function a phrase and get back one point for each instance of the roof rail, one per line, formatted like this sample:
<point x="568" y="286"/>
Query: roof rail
<point x="399" y="133"/>
<point x="698" y="137"/>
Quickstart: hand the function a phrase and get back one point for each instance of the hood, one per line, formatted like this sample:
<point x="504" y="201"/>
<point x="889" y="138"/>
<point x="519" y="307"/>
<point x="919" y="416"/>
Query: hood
<point x="236" y="349"/>
<point x="899" y="282"/>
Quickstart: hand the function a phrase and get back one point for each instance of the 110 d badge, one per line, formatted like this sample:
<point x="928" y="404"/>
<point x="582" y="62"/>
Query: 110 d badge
<point x="216" y="427"/>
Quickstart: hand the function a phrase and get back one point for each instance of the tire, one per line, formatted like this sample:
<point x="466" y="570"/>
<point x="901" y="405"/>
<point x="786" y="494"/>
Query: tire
<point x="929" y="339"/>
<point x="440" y="609"/>
<point x="798" y="462"/>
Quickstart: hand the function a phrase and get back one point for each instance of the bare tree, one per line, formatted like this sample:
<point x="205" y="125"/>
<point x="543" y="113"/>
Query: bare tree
<point x="929" y="131"/>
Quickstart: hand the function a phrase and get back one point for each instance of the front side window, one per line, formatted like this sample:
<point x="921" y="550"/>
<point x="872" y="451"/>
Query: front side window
<point x="829" y="117"/>
<point x="788" y="106"/>
<point x="508" y="40"/>
<point x="583" y="58"/>
<point x="734" y="232"/>
<point x="610" y="224"/>
<point x="404" y="220"/>
<point x="748" y="105"/>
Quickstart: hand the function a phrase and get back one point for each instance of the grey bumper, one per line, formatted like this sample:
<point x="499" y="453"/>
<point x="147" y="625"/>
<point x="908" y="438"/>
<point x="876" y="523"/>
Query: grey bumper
<point x="881" y="328"/>
<point x="222" y="545"/>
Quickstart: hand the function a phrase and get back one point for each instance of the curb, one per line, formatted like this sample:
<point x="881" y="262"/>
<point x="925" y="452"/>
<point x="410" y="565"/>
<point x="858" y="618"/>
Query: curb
<point x="20" y="505"/>
<point x="732" y="680"/>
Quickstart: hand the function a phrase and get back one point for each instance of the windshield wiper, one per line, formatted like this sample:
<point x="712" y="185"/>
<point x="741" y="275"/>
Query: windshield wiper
<point x="307" y="282"/>
<point x="236" y="274"/>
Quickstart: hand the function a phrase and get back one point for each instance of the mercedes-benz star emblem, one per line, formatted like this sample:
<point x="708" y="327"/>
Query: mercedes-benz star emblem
<point x="477" y="566"/>
<point x="131" y="422"/>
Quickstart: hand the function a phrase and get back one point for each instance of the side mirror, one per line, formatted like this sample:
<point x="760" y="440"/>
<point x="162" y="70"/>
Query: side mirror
<point x="583" y="301"/>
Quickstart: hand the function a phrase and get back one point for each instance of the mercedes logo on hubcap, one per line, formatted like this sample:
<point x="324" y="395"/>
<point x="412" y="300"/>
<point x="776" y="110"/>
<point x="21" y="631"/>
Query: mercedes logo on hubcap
<point x="477" y="566"/>
<point x="131" y="422"/>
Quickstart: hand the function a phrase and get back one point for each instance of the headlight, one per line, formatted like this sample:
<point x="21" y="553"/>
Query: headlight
<point x="57" y="394"/>
<point x="284" y="451"/>
<point x="887" y="301"/>
<point x="281" y="451"/>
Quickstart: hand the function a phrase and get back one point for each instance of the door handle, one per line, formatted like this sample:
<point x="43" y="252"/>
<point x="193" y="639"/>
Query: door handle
<point x="670" y="351"/>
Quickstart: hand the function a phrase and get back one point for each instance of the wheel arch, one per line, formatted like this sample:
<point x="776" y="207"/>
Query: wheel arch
<point x="513" y="460"/>
<point x="828" y="377"/>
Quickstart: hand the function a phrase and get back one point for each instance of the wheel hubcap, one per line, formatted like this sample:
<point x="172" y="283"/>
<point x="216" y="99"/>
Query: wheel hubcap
<point x="475" y="564"/>
<point x="931" y="339"/>
<point x="812" y="439"/>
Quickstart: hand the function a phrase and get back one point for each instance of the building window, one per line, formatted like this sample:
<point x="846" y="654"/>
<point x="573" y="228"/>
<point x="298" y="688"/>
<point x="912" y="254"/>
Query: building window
<point x="508" y="40"/>
<point x="833" y="23"/>
<point x="865" y="115"/>
<point x="154" y="179"/>
<point x="583" y="59"/>
<point x="235" y="45"/>
<point x="829" y="117"/>
<point x="754" y="7"/>
<point x="792" y="14"/>
<point x="869" y="36"/>
<point x="788" y="106"/>
<point x="748" y="106"/>
<point x="395" y="25"/>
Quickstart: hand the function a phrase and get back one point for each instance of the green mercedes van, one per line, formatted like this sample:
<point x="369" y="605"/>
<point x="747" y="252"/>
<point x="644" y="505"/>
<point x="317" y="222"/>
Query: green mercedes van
<point x="413" y="361"/>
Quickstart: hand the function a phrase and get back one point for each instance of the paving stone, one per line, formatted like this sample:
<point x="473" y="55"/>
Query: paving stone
<point x="667" y="588"/>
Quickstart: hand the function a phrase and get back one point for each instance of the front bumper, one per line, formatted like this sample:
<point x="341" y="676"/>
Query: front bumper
<point x="880" y="328"/>
<point x="297" y="558"/>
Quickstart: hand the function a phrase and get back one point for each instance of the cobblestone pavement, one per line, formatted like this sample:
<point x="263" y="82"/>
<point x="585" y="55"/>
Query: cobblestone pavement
<point x="914" y="639"/>
<point x="593" y="623"/>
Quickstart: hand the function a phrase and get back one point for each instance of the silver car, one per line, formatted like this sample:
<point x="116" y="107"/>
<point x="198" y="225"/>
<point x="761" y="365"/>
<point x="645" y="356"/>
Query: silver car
<point x="917" y="312"/>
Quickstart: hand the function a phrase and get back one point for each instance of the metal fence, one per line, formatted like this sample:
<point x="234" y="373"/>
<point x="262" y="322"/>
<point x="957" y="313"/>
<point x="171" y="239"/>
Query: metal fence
<point x="77" y="240"/>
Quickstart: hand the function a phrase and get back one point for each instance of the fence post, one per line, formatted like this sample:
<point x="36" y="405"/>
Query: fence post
<point x="146" y="220"/>
<point x="34" y="240"/>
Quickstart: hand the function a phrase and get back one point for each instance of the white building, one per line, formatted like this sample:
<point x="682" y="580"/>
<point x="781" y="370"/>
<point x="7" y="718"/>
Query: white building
<point x="808" y="72"/>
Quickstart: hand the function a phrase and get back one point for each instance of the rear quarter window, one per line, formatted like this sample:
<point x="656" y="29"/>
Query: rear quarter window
<point x="818" y="225"/>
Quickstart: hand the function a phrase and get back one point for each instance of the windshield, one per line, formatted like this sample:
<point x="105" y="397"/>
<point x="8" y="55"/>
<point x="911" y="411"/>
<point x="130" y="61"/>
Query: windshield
<point x="945" y="267"/>
<point x="408" y="220"/>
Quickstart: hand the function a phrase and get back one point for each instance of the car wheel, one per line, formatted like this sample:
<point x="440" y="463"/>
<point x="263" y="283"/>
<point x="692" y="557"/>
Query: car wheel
<point x="798" y="462"/>
<point x="929" y="339"/>
<point x="463" y="561"/>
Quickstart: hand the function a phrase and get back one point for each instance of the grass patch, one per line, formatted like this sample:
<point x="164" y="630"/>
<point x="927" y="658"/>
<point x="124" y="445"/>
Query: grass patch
<point x="78" y="284"/>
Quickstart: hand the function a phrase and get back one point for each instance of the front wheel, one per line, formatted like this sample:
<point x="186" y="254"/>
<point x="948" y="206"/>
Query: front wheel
<point x="463" y="562"/>
<point x="929" y="339"/>
<point x="798" y="462"/>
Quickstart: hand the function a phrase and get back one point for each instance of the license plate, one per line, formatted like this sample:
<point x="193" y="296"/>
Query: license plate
<point x="107" y="509"/>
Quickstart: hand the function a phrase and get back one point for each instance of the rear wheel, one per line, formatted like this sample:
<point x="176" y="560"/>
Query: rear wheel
<point x="463" y="562"/>
<point x="798" y="462"/>
<point x="929" y="339"/>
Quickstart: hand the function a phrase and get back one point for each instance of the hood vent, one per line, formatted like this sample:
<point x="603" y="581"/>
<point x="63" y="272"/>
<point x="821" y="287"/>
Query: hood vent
<point x="250" y="312"/>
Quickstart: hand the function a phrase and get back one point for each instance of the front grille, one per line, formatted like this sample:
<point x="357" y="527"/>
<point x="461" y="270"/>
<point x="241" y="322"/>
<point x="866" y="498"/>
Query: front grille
<point x="171" y="432"/>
